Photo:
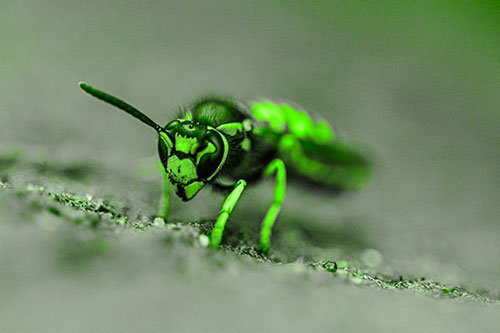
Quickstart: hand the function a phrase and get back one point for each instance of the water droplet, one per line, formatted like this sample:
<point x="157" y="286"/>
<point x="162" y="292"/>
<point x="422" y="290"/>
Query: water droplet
<point x="371" y="258"/>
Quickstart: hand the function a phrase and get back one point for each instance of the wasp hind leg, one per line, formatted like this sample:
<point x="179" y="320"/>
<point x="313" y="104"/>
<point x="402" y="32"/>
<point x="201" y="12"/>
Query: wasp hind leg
<point x="227" y="208"/>
<point x="277" y="166"/>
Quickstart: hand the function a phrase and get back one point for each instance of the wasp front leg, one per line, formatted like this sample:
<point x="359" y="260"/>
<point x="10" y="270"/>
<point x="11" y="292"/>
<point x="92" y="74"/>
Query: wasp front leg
<point x="227" y="208"/>
<point x="147" y="169"/>
<point x="277" y="166"/>
<point x="165" y="205"/>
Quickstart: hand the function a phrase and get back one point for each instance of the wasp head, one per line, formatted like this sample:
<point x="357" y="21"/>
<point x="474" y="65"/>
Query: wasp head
<point x="192" y="155"/>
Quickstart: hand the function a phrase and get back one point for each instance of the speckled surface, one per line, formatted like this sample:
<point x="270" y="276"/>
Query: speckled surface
<point x="416" y="84"/>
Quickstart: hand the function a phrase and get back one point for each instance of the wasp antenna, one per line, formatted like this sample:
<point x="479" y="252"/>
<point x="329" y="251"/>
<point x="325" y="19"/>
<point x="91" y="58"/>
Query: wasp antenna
<point x="119" y="104"/>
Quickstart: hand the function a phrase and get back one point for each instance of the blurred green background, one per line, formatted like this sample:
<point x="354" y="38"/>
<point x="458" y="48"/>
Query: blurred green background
<point x="416" y="83"/>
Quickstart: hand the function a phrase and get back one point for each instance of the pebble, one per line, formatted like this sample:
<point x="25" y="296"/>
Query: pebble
<point x="204" y="241"/>
<point x="158" y="222"/>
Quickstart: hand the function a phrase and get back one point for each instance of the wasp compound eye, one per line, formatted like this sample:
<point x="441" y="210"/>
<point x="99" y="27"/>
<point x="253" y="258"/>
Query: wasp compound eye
<point x="210" y="158"/>
<point x="164" y="147"/>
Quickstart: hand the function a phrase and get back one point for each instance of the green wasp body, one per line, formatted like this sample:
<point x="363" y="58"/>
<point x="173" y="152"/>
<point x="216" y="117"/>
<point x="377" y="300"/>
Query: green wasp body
<point x="228" y="144"/>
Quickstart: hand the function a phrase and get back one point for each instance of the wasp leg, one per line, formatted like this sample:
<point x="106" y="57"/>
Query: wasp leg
<point x="227" y="208"/>
<point x="164" y="210"/>
<point x="279" y="195"/>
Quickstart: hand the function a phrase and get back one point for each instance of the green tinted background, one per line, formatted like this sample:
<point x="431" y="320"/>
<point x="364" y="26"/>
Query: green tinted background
<point x="416" y="81"/>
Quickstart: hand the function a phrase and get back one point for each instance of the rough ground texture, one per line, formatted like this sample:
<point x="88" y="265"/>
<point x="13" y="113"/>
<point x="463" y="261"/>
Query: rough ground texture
<point x="412" y="83"/>
<point x="90" y="261"/>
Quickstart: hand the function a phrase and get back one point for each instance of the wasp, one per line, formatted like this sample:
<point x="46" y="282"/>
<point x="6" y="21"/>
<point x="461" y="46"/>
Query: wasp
<point x="215" y="140"/>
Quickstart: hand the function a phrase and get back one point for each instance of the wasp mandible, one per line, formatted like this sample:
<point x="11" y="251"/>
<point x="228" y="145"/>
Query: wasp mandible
<point x="218" y="138"/>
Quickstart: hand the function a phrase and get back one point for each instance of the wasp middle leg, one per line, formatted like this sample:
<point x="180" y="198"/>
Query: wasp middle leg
<point x="277" y="166"/>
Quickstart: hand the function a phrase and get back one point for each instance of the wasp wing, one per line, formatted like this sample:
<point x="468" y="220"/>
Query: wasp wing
<point x="333" y="166"/>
